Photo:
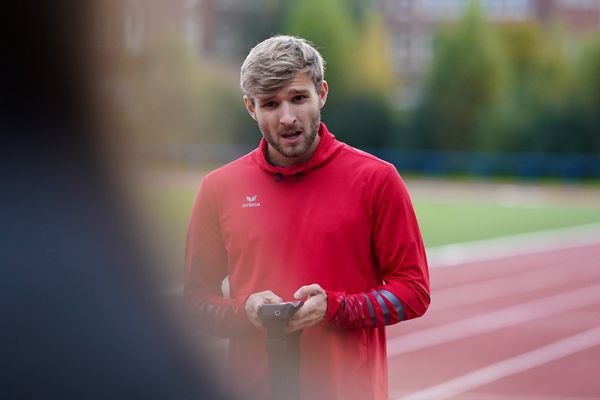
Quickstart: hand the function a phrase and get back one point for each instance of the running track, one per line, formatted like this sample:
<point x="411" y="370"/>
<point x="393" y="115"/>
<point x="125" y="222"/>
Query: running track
<point x="526" y="326"/>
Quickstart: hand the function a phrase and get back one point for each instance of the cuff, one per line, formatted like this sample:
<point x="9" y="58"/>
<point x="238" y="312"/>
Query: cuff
<point x="334" y="301"/>
<point x="239" y="312"/>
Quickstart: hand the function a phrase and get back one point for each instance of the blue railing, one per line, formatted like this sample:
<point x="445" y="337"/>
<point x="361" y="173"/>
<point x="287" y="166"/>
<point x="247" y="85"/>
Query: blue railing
<point x="486" y="164"/>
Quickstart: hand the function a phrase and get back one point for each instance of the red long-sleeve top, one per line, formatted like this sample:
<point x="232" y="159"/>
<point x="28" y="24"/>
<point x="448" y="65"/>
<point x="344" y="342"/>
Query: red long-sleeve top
<point x="343" y="220"/>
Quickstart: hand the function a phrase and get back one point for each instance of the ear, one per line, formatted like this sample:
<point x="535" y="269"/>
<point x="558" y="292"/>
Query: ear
<point x="250" y="107"/>
<point x="323" y="94"/>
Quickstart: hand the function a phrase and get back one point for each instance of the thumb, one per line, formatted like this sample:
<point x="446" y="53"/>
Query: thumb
<point x="307" y="291"/>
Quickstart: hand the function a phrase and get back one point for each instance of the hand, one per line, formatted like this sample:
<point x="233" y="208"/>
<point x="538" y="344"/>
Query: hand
<point x="256" y="300"/>
<point x="314" y="308"/>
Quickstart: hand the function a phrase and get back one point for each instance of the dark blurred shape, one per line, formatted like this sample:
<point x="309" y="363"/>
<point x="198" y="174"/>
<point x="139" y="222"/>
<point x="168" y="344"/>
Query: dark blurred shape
<point x="80" y="318"/>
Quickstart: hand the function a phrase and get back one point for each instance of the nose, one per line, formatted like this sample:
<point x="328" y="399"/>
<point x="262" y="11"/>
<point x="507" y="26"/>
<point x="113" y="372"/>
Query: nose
<point x="287" y="117"/>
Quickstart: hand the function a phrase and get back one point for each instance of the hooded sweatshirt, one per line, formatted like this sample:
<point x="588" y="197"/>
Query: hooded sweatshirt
<point x="344" y="220"/>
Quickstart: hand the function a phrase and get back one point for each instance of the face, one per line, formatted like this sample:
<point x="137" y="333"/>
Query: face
<point x="289" y="120"/>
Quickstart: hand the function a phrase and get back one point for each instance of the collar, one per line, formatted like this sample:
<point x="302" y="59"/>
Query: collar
<point x="326" y="148"/>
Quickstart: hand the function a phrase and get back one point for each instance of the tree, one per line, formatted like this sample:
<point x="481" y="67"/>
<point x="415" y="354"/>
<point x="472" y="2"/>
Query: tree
<point x="535" y="95"/>
<point x="588" y="96"/>
<point x="329" y="26"/>
<point x="374" y="67"/>
<point x="358" y="74"/>
<point x="549" y="96"/>
<point x="467" y="76"/>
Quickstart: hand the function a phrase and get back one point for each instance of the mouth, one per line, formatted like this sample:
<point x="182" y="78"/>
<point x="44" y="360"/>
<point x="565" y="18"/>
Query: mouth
<point x="293" y="135"/>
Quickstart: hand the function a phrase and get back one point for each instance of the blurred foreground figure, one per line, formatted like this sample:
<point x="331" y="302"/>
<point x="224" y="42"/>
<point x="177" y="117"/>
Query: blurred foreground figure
<point x="79" y="318"/>
<point x="304" y="217"/>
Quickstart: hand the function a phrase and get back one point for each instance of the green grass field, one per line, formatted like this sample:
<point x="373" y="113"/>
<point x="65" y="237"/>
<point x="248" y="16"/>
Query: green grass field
<point x="445" y="222"/>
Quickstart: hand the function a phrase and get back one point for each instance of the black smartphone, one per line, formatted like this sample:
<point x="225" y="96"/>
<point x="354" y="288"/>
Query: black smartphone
<point x="278" y="312"/>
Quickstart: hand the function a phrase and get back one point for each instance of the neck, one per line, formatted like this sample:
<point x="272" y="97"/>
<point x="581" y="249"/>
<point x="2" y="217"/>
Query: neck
<point x="274" y="157"/>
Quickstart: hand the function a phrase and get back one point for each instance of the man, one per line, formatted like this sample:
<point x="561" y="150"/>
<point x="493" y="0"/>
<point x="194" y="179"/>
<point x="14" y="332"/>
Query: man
<point x="304" y="216"/>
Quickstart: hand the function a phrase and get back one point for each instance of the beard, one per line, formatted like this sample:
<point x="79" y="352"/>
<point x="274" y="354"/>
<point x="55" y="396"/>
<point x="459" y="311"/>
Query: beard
<point x="303" y="146"/>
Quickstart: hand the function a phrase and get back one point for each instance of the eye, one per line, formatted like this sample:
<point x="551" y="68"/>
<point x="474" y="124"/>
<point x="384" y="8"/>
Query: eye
<point x="269" y="104"/>
<point x="299" y="98"/>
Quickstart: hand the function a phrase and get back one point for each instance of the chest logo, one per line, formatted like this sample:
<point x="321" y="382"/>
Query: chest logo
<point x="251" y="202"/>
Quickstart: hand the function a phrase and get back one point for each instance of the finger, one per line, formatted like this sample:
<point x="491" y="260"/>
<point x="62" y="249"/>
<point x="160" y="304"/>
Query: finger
<point x="272" y="298"/>
<point x="301" y="313"/>
<point x="309" y="310"/>
<point x="307" y="290"/>
<point x="292" y="327"/>
<point x="254" y="302"/>
<point x="311" y="313"/>
<point x="302" y="292"/>
<point x="301" y="324"/>
<point x="266" y="297"/>
<point x="295" y="326"/>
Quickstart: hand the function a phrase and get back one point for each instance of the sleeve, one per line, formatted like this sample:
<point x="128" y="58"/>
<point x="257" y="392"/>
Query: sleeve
<point x="398" y="247"/>
<point x="205" y="269"/>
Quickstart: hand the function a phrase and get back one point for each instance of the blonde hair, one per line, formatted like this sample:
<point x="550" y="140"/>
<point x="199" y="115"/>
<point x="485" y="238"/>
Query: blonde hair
<point x="273" y="63"/>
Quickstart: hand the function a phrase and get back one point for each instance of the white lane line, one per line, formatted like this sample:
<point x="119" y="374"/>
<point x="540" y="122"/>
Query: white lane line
<point x="491" y="396"/>
<point x="526" y="361"/>
<point x="514" y="245"/>
<point x="398" y="394"/>
<point x="471" y="293"/>
<point x="494" y="320"/>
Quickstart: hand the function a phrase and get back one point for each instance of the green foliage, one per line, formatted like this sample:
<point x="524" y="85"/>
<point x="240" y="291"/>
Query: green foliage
<point x="362" y="121"/>
<point x="468" y="76"/>
<point x="521" y="87"/>
<point x="588" y="95"/>
<point x="329" y="26"/>
<point x="540" y="80"/>
<point x="373" y="65"/>
<point x="589" y="76"/>
<point x="353" y="44"/>
<point x="550" y="107"/>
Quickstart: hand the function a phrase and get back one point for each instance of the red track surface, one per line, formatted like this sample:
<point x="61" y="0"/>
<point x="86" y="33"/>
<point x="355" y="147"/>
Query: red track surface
<point x="525" y="327"/>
